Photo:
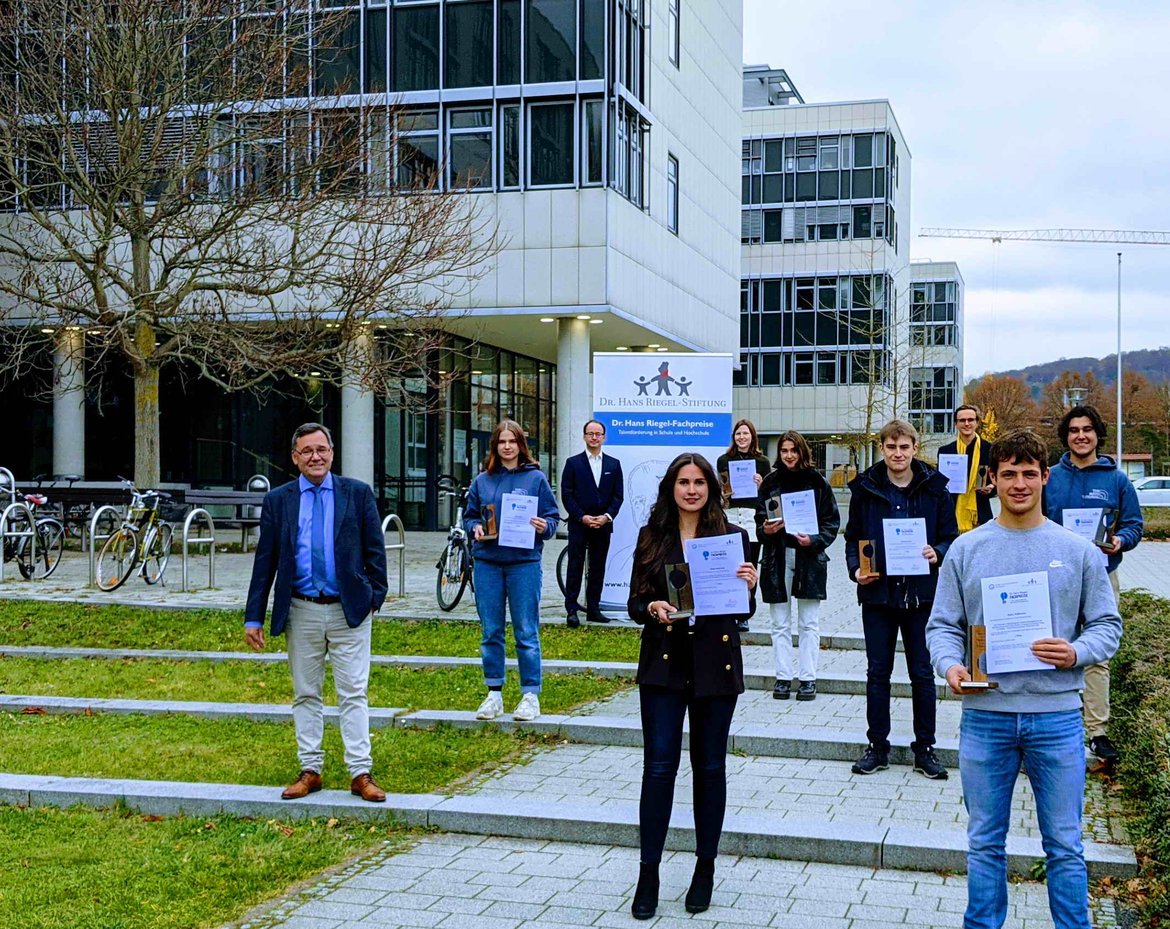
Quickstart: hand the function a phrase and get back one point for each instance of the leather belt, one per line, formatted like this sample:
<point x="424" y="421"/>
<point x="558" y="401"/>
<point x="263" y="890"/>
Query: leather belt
<point x="322" y="599"/>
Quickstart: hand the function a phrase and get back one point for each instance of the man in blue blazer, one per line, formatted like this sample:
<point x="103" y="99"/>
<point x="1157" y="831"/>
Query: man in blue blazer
<point x="321" y="542"/>
<point x="592" y="492"/>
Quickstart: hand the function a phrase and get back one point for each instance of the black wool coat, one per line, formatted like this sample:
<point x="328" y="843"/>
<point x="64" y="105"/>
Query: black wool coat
<point x="705" y="656"/>
<point x="810" y="579"/>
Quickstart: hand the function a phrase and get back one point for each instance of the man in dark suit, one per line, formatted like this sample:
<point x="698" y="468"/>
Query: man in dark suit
<point x="321" y="541"/>
<point x="591" y="490"/>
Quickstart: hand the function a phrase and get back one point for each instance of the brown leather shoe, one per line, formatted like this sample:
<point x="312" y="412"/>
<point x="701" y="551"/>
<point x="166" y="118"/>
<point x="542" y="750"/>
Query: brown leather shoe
<point x="363" y="786"/>
<point x="307" y="782"/>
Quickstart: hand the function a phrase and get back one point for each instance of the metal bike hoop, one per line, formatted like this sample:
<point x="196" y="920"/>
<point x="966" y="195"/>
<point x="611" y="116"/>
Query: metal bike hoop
<point x="8" y="485"/>
<point x="208" y="540"/>
<point x="399" y="546"/>
<point x="94" y="538"/>
<point x="6" y="534"/>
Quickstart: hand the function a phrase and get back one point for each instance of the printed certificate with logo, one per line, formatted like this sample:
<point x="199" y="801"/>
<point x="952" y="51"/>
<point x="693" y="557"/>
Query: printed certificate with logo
<point x="904" y="540"/>
<point x="516" y="511"/>
<point x="956" y="469"/>
<point x="1016" y="611"/>
<point x="713" y="561"/>
<point x="742" y="476"/>
<point x="1083" y="521"/>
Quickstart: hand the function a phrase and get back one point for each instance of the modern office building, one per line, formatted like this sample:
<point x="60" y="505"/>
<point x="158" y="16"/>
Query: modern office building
<point x="936" y="348"/>
<point x="826" y="342"/>
<point x="601" y="136"/>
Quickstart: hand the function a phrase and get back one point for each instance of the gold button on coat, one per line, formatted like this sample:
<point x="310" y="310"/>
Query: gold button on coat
<point x="726" y="637"/>
<point x="727" y="667"/>
<point x="665" y="657"/>
<point x="668" y="628"/>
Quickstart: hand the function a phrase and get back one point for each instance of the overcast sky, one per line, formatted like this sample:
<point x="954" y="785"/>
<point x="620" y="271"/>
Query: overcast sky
<point x="1021" y="115"/>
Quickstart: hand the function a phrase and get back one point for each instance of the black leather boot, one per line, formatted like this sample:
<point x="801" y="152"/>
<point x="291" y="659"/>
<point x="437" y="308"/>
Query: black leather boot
<point x="646" y="895"/>
<point x="702" y="883"/>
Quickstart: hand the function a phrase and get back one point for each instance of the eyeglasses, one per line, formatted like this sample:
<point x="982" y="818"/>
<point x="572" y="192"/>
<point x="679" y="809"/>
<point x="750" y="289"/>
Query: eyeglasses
<point x="595" y="435"/>
<point x="966" y="422"/>
<point x="310" y="453"/>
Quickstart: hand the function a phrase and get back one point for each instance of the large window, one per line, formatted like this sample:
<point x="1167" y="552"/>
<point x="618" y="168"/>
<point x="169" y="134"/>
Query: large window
<point x="550" y="144"/>
<point x="510" y="146"/>
<point x="470" y="156"/>
<point x="509" y="42"/>
<point x="672" y="31"/>
<point x="416" y="47"/>
<point x="932" y="398"/>
<point x="417" y="143"/>
<point x="551" y="41"/>
<point x="337" y="56"/>
<point x="376" y="58"/>
<point x="631" y="46"/>
<point x="672" y="194"/>
<point x="592" y="39"/>
<point x="932" y="313"/>
<point x="629" y="166"/>
<point x="469" y="44"/>
<point x="594" y="157"/>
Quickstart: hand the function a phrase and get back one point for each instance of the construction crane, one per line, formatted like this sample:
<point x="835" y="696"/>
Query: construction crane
<point x="1108" y="236"/>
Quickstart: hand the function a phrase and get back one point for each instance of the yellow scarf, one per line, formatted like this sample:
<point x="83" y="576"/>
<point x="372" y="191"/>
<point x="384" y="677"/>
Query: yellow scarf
<point x="966" y="509"/>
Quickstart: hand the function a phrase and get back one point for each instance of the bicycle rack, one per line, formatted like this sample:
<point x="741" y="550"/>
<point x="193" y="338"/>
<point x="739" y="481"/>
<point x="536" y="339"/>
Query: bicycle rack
<point x="5" y="533"/>
<point x="8" y="485"/>
<point x="208" y="540"/>
<point x="399" y="546"/>
<point x="94" y="538"/>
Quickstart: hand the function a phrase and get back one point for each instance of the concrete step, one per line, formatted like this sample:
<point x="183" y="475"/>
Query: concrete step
<point x="757" y="834"/>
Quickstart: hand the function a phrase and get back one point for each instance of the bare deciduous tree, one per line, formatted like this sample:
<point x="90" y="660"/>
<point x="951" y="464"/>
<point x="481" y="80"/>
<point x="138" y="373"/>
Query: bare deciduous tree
<point x="189" y="187"/>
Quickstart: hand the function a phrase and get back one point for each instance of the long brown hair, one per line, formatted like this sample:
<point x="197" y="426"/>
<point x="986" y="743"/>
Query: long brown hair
<point x="661" y="532"/>
<point x="803" y="452"/>
<point x="493" y="463"/>
<point x="754" y="448"/>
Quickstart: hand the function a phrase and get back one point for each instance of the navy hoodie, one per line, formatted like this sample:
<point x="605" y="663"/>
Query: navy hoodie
<point x="1101" y="484"/>
<point x="490" y="487"/>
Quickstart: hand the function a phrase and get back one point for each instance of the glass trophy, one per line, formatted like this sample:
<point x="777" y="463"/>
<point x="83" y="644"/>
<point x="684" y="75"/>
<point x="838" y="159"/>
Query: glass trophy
<point x="679" y="591"/>
<point x="1102" y="537"/>
<point x="867" y="554"/>
<point x="773" y="510"/>
<point x="977" y="661"/>
<point x="490" y="530"/>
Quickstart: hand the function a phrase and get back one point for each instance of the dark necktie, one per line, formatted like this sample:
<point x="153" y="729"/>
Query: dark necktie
<point x="317" y="540"/>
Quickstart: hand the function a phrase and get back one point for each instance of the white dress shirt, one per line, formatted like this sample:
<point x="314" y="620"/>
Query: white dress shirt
<point x="595" y="466"/>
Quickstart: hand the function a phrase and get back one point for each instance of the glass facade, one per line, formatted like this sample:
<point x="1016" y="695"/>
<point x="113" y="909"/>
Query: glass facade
<point x="932" y="313"/>
<point x="933" y="399"/>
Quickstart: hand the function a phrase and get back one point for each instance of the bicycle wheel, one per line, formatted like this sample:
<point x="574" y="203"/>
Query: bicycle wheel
<point x="562" y="568"/>
<point x="452" y="579"/>
<point x="157" y="554"/>
<point x="50" y="546"/>
<point x="115" y="562"/>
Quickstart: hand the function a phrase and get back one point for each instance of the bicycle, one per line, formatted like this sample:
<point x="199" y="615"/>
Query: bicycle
<point x="455" y="564"/>
<point x="141" y="533"/>
<point x="49" y="547"/>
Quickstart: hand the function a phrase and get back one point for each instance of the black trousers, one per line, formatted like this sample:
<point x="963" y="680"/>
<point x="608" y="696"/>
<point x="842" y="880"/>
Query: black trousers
<point x="662" y="729"/>
<point x="591" y="544"/>
<point x="881" y="626"/>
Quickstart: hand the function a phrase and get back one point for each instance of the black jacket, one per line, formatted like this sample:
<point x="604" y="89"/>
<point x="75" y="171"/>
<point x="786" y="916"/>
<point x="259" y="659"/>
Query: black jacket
<point x="763" y="466"/>
<point x="982" y="501"/>
<point x="582" y="497"/>
<point x="811" y="576"/>
<point x="874" y="499"/>
<point x="706" y="654"/>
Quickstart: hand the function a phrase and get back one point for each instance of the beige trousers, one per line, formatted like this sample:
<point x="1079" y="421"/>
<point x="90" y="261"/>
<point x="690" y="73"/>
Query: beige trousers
<point x="314" y="630"/>
<point x="1097" y="684"/>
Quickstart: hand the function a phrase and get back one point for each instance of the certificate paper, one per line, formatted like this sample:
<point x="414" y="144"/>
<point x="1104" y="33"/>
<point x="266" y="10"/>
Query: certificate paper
<point x="742" y="476"/>
<point x="515" y="529"/>
<point x="1083" y="521"/>
<point x="1016" y="612"/>
<point x="713" y="562"/>
<point x="904" y="540"/>
<point x="956" y="469"/>
<point x="800" y="513"/>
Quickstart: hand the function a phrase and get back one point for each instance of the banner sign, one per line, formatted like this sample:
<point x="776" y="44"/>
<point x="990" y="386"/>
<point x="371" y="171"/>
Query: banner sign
<point x="655" y="407"/>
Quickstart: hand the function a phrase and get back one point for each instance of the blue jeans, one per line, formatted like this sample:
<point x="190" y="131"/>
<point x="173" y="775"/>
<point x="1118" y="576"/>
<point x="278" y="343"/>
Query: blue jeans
<point x="1051" y="745"/>
<point x="662" y="729"/>
<point x="516" y="586"/>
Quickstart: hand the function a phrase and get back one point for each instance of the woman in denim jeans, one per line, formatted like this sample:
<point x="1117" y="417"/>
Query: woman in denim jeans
<point x="692" y="667"/>
<point x="507" y="576"/>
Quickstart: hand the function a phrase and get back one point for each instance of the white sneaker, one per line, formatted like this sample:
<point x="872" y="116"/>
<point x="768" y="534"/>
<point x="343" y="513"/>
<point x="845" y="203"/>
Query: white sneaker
<point x="527" y="709"/>
<point x="492" y="706"/>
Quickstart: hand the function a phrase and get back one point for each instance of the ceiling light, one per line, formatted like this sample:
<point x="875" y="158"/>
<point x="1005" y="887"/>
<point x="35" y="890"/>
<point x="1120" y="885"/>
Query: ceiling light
<point x="548" y="319"/>
<point x="596" y="322"/>
<point x="584" y="316"/>
<point x="623" y="348"/>
<point x="47" y="331"/>
<point x="652" y="345"/>
<point x="663" y="349"/>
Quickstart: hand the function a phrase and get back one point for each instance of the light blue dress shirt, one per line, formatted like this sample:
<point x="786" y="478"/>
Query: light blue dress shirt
<point x="303" y="582"/>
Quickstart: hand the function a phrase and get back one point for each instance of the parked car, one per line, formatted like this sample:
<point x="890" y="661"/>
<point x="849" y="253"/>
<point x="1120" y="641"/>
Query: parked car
<point x="1153" y="491"/>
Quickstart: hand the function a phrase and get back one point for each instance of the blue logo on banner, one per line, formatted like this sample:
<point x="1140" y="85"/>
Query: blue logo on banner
<point x="676" y="427"/>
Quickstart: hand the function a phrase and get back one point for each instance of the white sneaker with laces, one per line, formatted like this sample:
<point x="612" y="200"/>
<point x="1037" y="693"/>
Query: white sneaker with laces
<point x="492" y="706"/>
<point x="528" y="708"/>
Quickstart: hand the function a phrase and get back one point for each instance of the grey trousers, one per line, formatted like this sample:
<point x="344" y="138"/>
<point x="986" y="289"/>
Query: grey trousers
<point x="313" y="630"/>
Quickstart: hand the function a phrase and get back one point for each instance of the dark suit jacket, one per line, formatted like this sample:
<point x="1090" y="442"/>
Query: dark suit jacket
<point x="358" y="550"/>
<point x="582" y="497"/>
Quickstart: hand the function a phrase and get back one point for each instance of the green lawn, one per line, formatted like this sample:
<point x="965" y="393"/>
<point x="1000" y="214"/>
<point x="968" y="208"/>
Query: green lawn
<point x="252" y="682"/>
<point x="112" y="869"/>
<point x="26" y="622"/>
<point x="182" y="748"/>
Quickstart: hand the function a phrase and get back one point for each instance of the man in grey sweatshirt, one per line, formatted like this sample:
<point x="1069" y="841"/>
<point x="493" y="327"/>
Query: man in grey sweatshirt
<point x="1030" y="716"/>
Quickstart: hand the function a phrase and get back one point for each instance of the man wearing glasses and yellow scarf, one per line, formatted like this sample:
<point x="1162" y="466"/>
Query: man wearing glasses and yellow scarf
<point x="973" y="507"/>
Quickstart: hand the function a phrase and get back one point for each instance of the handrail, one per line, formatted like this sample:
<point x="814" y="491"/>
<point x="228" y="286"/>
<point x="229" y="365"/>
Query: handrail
<point x="208" y="540"/>
<point x="399" y="546"/>
<point x="30" y="533"/>
<point x="94" y="538"/>
<point x="8" y="484"/>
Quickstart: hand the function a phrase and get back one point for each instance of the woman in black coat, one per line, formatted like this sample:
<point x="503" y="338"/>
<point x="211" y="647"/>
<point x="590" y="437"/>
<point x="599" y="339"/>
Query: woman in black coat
<point x="686" y="667"/>
<point x="794" y="569"/>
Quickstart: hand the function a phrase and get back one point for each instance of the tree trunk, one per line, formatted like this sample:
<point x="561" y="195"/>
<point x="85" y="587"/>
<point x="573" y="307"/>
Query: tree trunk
<point x="146" y="455"/>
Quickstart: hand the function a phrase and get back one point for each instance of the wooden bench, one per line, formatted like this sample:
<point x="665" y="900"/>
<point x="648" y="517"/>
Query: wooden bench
<point x="240" y="502"/>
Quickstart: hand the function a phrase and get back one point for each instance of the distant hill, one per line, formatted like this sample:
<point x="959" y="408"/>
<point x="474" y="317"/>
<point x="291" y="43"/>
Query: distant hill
<point x="1153" y="363"/>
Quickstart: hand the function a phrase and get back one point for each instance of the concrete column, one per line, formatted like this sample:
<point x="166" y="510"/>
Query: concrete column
<point x="357" y="417"/>
<point x="574" y="387"/>
<point x="69" y="402"/>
